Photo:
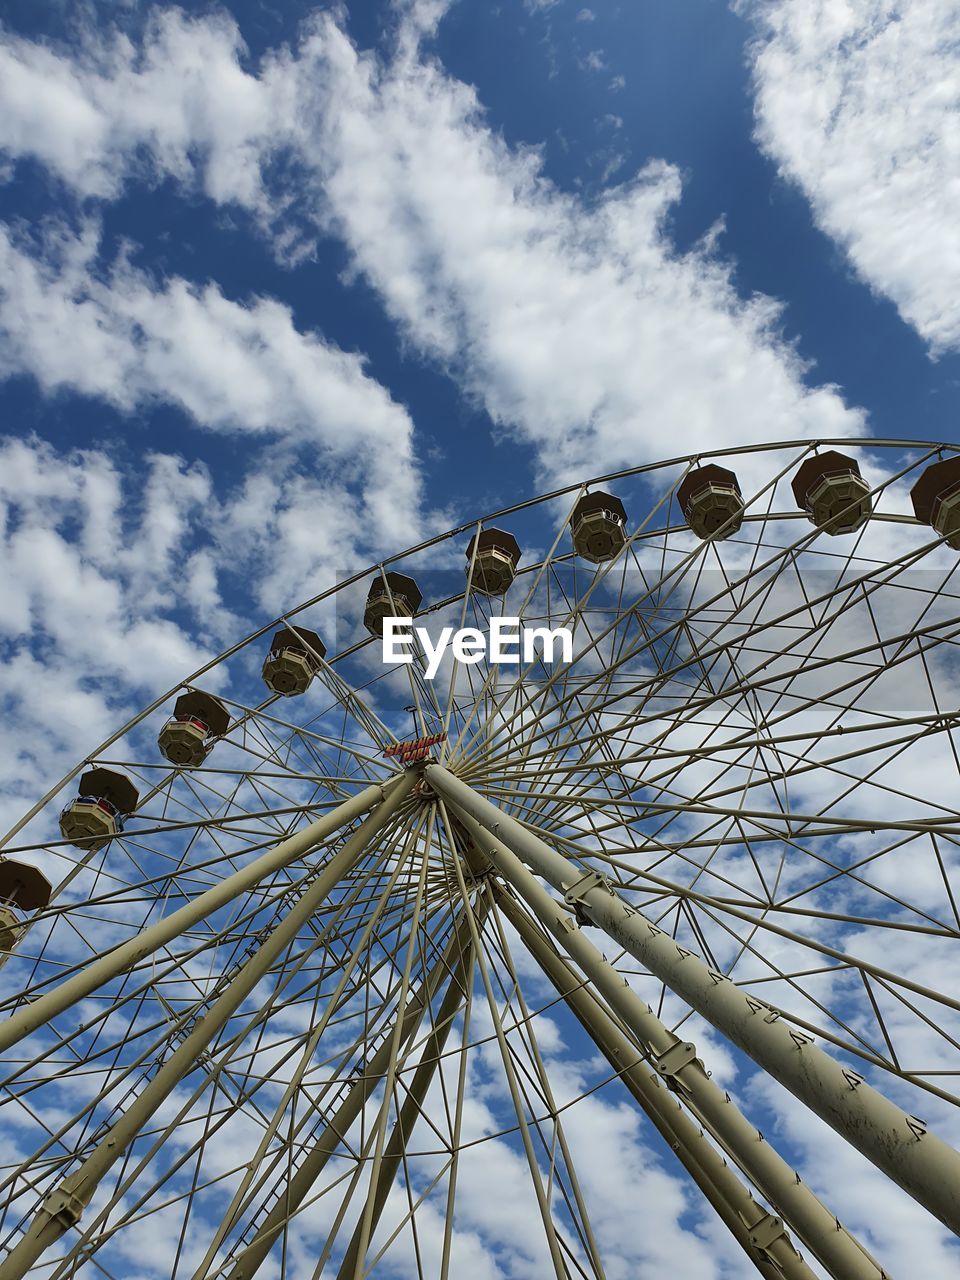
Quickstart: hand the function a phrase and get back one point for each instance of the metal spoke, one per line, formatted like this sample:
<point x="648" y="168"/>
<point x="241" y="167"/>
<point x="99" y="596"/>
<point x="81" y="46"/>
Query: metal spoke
<point x="261" y="1018"/>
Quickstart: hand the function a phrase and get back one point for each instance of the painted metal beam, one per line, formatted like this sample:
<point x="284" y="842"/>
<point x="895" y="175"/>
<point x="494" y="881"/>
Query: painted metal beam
<point x="458" y="961"/>
<point x="64" y="1205"/>
<point x="122" y="958"/>
<point x="675" y="1060"/>
<point x="759" y="1233"/>
<point x="897" y="1143"/>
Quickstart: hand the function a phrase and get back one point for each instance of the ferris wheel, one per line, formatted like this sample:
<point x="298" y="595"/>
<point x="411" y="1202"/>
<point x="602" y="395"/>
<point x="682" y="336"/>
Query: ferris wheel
<point x="320" y="966"/>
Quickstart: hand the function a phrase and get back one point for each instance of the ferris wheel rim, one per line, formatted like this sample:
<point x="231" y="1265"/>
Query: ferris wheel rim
<point x="547" y="816"/>
<point x="805" y="444"/>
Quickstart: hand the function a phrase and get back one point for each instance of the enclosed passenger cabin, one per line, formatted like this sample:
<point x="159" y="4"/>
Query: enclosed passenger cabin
<point x="598" y="526"/>
<point x="198" y="719"/>
<point x="936" y="499"/>
<point x="711" y="501"/>
<point x="829" y="487"/>
<point x="391" y="595"/>
<point x="492" y="570"/>
<point x="104" y="801"/>
<point x="293" y="661"/>
<point x="22" y="889"/>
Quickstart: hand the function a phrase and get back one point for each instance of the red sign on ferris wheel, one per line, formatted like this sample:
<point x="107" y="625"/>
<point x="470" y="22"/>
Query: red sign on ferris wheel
<point x="416" y="749"/>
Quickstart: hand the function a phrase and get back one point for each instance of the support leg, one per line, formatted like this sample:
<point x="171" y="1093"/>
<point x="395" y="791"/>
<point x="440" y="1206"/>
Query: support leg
<point x="64" y="1205"/>
<point x="678" y="1063"/>
<point x="898" y="1144"/>
<point x="760" y="1235"/>
<point x="125" y="956"/>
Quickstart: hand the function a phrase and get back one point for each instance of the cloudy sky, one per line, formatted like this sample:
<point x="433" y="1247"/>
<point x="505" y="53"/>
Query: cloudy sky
<point x="286" y="287"/>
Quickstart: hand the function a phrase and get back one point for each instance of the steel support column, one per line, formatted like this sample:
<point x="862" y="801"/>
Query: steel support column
<point x="459" y="957"/>
<point x="410" y="1113"/>
<point x="63" y="1206"/>
<point x="898" y="1144"/>
<point x="677" y="1061"/>
<point x="759" y="1233"/>
<point x="127" y="954"/>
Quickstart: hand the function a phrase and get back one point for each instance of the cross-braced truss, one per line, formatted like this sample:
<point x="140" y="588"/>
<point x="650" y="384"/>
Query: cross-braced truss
<point x="306" y="1004"/>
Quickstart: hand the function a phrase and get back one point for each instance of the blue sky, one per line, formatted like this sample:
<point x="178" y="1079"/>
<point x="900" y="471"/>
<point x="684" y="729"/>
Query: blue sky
<point x="286" y="287"/>
<point x="669" y="186"/>
<point x="667" y="83"/>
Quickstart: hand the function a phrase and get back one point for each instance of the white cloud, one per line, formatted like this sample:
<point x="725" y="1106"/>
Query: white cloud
<point x="181" y="94"/>
<point x="298" y="529"/>
<point x="576" y="325"/>
<point x="113" y="579"/>
<point x="859" y="104"/>
<point x="232" y="367"/>
<point x="90" y="563"/>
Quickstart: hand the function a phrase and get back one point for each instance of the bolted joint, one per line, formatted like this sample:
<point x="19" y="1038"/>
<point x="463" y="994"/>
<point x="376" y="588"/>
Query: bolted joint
<point x="65" y="1205"/>
<point x="765" y="1232"/>
<point x="576" y="893"/>
<point x="673" y="1060"/>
